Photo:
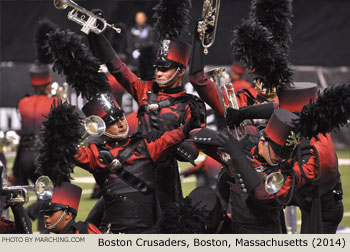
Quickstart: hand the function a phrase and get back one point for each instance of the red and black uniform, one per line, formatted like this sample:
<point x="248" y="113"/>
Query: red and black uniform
<point x="319" y="193"/>
<point x="128" y="208"/>
<point x="253" y="209"/>
<point x="21" y="225"/>
<point x="170" y="115"/>
<point x="173" y="108"/>
<point x="319" y="190"/>
<point x="7" y="226"/>
<point x="33" y="110"/>
<point x="208" y="92"/>
<point x="79" y="228"/>
<point x="259" y="212"/>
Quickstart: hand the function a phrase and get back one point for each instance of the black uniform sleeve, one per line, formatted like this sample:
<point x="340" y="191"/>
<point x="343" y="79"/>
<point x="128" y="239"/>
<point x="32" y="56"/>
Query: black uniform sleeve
<point x="240" y="164"/>
<point x="23" y="223"/>
<point x="197" y="62"/>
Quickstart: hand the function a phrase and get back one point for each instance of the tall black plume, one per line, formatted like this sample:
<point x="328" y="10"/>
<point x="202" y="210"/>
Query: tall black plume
<point x="253" y="45"/>
<point x="171" y="18"/>
<point x="57" y="144"/>
<point x="276" y="16"/>
<point x="73" y="58"/>
<point x="330" y="112"/>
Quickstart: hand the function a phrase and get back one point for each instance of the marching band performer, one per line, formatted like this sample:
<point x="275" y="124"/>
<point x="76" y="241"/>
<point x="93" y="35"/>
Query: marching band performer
<point x="33" y="110"/>
<point x="60" y="211"/>
<point x="164" y="104"/>
<point x="123" y="166"/>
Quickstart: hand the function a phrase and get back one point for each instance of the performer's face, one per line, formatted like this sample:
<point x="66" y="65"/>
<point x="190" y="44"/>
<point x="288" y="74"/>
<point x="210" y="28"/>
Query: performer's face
<point x="118" y="128"/>
<point x="52" y="218"/>
<point x="265" y="151"/>
<point x="163" y="75"/>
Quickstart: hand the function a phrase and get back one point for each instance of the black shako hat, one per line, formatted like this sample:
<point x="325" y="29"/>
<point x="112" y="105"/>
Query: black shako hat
<point x="279" y="132"/>
<point x="105" y="106"/>
<point x="294" y="98"/>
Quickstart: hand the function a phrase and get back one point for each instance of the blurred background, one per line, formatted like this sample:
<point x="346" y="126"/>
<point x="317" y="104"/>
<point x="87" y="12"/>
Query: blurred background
<point x="319" y="53"/>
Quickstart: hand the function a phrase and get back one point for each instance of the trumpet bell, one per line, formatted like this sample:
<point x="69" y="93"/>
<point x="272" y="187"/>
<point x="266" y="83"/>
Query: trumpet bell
<point x="60" y="4"/>
<point x="274" y="182"/>
<point x="43" y="188"/>
<point x="94" y="125"/>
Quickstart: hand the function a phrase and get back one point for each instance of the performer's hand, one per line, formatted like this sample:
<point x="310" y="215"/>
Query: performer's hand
<point x="194" y="122"/>
<point x="231" y="144"/>
<point x="233" y="117"/>
<point x="99" y="45"/>
<point x="98" y="12"/>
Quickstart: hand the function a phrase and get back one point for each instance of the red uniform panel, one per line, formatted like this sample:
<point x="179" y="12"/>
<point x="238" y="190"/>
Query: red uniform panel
<point x="33" y="109"/>
<point x="241" y="84"/>
<point x="328" y="162"/>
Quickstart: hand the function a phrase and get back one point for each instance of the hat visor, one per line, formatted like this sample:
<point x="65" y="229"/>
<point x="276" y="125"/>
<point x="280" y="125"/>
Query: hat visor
<point x="52" y="208"/>
<point x="164" y="64"/>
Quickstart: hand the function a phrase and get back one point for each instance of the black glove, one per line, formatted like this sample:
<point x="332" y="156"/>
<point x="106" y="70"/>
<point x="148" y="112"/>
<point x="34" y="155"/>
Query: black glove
<point x="232" y="145"/>
<point x="98" y="12"/>
<point x="153" y="135"/>
<point x="23" y="223"/>
<point x="194" y="122"/>
<point x="99" y="45"/>
<point x="285" y="166"/>
<point x="197" y="58"/>
<point x="240" y="164"/>
<point x="257" y="111"/>
<point x="233" y="117"/>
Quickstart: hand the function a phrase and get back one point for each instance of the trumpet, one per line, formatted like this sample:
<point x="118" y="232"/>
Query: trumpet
<point x="43" y="188"/>
<point x="215" y="74"/>
<point x="273" y="182"/>
<point x="79" y="15"/>
<point x="94" y="126"/>
<point x="209" y="21"/>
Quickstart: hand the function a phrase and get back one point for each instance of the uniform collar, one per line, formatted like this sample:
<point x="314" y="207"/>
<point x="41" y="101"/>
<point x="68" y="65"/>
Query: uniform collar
<point x="117" y="142"/>
<point x="168" y="90"/>
<point x="69" y="228"/>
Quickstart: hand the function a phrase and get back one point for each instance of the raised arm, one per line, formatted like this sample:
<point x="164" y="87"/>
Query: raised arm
<point x="205" y="88"/>
<point x="103" y="50"/>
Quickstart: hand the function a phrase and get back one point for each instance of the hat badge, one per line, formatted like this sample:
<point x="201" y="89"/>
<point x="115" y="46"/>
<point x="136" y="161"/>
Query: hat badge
<point x="293" y="139"/>
<point x="164" y="49"/>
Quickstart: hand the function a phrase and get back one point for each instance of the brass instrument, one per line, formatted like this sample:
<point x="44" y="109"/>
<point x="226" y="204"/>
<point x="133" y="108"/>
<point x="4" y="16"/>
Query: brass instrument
<point x="273" y="182"/>
<point x="43" y="188"/>
<point x="79" y="15"/>
<point x="209" y="21"/>
<point x="215" y="74"/>
<point x="94" y="126"/>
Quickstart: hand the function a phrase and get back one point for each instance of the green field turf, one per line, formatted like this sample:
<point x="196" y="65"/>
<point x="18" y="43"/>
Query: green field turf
<point x="86" y="203"/>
